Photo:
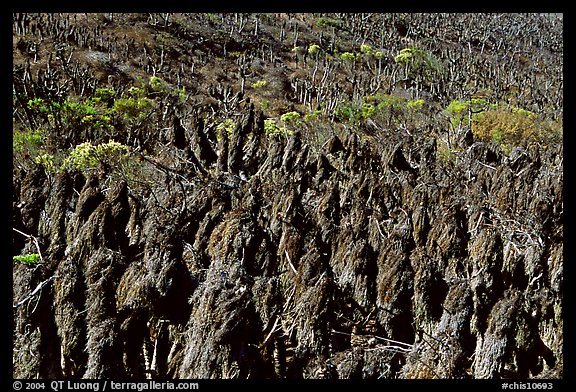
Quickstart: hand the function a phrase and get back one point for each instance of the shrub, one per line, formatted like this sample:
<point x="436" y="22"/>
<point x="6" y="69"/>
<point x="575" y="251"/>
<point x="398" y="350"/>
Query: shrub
<point x="354" y="112"/>
<point x="387" y="109"/>
<point x="345" y="112"/>
<point x="417" y="58"/>
<point x="227" y="126"/>
<point x="386" y="102"/>
<point x="328" y="22"/>
<point x="28" y="141"/>
<point x="39" y="105"/>
<point x="290" y="117"/>
<point x="515" y="127"/>
<point x="503" y="124"/>
<point x="366" y="49"/>
<point x="48" y="161"/>
<point x="259" y="84"/>
<point x="313" y="49"/>
<point x="367" y="111"/>
<point x="456" y="110"/>
<point x="136" y="91"/>
<point x="264" y="104"/>
<point x="406" y="55"/>
<point x="82" y="156"/>
<point x="349" y="57"/>
<point x="73" y="113"/>
<point x="157" y="84"/>
<point x="105" y="95"/>
<point x="459" y="111"/>
<point x="136" y="108"/>
<point x="159" y="87"/>
<point x="270" y="127"/>
<point x="86" y="155"/>
<point x="445" y="155"/>
<point x="415" y="104"/>
<point x="312" y="115"/>
<point x="421" y="63"/>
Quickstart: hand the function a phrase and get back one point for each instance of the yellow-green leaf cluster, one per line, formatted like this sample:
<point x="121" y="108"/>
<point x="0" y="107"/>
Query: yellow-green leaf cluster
<point x="86" y="155"/>
<point x="29" y="259"/>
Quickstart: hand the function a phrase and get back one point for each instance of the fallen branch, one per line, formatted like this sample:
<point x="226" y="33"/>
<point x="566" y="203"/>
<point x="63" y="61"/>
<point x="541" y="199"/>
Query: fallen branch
<point x="272" y="331"/>
<point x="33" y="293"/>
<point x="290" y="263"/>
<point x="485" y="165"/>
<point x="391" y="344"/>
<point x="35" y="242"/>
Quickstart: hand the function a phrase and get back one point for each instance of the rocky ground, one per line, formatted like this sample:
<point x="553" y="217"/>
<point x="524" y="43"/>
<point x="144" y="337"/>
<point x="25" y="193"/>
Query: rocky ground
<point x="228" y="241"/>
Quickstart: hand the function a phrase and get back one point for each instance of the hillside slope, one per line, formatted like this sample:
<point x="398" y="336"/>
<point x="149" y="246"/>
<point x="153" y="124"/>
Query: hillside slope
<point x="287" y="196"/>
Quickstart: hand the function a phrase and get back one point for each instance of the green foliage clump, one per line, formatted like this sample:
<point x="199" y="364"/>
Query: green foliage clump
<point x="105" y="95"/>
<point x="390" y="102"/>
<point x="134" y="108"/>
<point x="328" y="22"/>
<point x="290" y="117"/>
<point x="87" y="155"/>
<point x="159" y="87"/>
<point x="457" y="110"/>
<point x="82" y="156"/>
<point x="369" y="51"/>
<point x="419" y="62"/>
<point x="143" y="99"/>
<point x="29" y="259"/>
<point x="366" y="49"/>
<point x="107" y="110"/>
<point x="290" y="120"/>
<point x="259" y="84"/>
<point x="70" y="112"/>
<point x="28" y="141"/>
<point x="270" y="127"/>
<point x="383" y="108"/>
<point x="227" y="126"/>
<point x="314" y="49"/>
<point x="445" y="155"/>
<point x="264" y="104"/>
<point x="48" y="161"/>
<point x="460" y="112"/>
<point x="379" y="54"/>
<point x="157" y="84"/>
<point x="347" y="112"/>
<point x="367" y="110"/>
<point x="406" y="55"/>
<point x="354" y="113"/>
<point x="105" y="114"/>
<point x="350" y="57"/>
<point x="416" y="57"/>
<point x="313" y="115"/>
<point x="415" y="104"/>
